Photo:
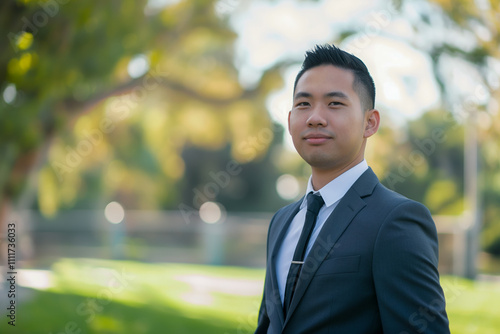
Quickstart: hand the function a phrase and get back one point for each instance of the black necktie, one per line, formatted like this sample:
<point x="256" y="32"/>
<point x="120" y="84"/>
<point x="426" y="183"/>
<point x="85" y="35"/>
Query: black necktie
<point x="314" y="203"/>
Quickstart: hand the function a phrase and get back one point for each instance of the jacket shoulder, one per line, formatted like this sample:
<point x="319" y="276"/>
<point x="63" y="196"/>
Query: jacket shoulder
<point x="376" y="194"/>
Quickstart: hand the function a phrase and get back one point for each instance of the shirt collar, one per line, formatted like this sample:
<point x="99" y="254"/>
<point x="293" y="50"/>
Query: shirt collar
<point x="336" y="188"/>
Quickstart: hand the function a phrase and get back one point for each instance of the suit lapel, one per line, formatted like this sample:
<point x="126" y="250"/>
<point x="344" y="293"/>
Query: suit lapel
<point x="282" y="224"/>
<point x="334" y="227"/>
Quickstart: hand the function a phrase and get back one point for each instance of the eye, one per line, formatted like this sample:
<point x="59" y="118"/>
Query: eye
<point x="336" y="103"/>
<point x="302" y="104"/>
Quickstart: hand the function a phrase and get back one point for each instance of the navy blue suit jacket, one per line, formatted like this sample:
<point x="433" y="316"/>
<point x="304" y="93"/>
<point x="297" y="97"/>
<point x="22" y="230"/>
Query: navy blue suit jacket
<point x="372" y="269"/>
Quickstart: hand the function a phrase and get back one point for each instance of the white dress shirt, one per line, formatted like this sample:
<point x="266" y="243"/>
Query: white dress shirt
<point x="332" y="193"/>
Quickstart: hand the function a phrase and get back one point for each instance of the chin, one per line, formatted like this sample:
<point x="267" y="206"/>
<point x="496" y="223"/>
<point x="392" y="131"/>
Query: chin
<point x="320" y="162"/>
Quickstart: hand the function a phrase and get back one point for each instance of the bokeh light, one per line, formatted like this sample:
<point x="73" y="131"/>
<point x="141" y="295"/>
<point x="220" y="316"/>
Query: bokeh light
<point x="138" y="66"/>
<point x="287" y="186"/>
<point x="9" y="93"/>
<point x="114" y="213"/>
<point x="211" y="212"/>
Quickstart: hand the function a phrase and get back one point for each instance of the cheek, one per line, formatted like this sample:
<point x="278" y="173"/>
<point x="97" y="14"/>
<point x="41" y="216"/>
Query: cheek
<point x="294" y="126"/>
<point x="295" y="134"/>
<point x="350" y="130"/>
<point x="350" y="124"/>
<point x="295" y="131"/>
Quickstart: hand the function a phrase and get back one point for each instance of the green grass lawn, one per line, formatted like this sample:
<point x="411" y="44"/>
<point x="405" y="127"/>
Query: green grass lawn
<point x="98" y="296"/>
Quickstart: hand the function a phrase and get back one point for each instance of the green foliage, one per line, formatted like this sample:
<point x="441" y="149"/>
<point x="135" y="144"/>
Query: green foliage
<point x="76" y="104"/>
<point x="428" y="166"/>
<point x="491" y="232"/>
<point x="92" y="133"/>
<point x="479" y="24"/>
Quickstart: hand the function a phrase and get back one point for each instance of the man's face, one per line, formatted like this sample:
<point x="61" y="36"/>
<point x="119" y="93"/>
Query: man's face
<point x="327" y="123"/>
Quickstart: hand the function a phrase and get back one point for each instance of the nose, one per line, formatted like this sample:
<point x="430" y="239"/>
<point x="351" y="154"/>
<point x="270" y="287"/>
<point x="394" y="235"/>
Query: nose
<point x="317" y="118"/>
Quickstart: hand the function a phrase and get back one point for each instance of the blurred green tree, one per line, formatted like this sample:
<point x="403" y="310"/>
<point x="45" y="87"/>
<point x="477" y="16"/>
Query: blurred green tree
<point x="475" y="53"/>
<point x="145" y="99"/>
<point x="126" y="86"/>
<point x="479" y="107"/>
<point x="428" y="164"/>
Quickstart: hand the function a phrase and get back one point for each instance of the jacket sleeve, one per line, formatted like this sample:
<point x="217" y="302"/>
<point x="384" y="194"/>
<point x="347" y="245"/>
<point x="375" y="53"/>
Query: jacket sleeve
<point x="405" y="274"/>
<point x="263" y="320"/>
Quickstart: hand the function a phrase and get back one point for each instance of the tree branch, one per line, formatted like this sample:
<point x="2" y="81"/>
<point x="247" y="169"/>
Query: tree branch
<point x="77" y="107"/>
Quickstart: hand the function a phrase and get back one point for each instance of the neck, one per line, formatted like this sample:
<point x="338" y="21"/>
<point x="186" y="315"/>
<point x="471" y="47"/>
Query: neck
<point x="321" y="177"/>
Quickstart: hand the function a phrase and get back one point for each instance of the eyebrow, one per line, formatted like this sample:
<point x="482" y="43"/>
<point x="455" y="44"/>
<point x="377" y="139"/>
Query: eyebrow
<point x="330" y="94"/>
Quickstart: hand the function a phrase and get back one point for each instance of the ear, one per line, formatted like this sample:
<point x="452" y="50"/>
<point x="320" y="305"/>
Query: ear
<point x="289" y="114"/>
<point x="372" y="122"/>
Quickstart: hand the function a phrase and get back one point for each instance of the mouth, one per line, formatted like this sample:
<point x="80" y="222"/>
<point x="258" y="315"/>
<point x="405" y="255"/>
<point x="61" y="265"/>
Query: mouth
<point x="317" y="138"/>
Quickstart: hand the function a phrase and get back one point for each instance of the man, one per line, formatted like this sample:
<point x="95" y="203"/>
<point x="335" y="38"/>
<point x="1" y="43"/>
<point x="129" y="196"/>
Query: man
<point x="367" y="261"/>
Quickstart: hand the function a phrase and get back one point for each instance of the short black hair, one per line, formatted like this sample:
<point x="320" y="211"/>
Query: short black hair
<point x="331" y="55"/>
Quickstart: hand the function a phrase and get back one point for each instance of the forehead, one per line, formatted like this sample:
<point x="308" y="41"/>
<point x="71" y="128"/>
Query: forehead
<point x="326" y="78"/>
